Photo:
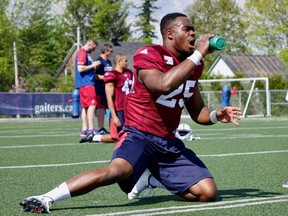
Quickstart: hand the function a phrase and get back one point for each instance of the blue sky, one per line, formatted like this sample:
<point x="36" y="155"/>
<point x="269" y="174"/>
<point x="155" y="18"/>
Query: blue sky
<point x="166" y="6"/>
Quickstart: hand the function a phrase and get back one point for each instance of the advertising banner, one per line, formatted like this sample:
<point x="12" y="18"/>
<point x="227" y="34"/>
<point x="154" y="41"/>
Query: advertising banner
<point x="35" y="103"/>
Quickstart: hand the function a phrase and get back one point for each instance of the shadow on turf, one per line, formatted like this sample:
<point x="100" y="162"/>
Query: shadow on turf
<point x="140" y="201"/>
<point x="244" y="193"/>
<point x="222" y="194"/>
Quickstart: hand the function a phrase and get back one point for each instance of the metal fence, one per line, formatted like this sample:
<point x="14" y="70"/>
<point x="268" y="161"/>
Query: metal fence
<point x="257" y="106"/>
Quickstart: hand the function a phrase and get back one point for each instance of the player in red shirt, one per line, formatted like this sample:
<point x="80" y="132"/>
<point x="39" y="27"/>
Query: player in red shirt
<point x="165" y="80"/>
<point x="118" y="83"/>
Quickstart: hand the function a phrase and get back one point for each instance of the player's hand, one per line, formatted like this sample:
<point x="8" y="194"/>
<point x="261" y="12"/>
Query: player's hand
<point x="229" y="114"/>
<point x="203" y="44"/>
<point x="116" y="122"/>
<point x="96" y="64"/>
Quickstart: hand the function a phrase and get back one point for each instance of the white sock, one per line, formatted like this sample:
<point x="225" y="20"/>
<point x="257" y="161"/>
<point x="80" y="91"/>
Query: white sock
<point x="59" y="193"/>
<point x="154" y="182"/>
<point x="97" y="138"/>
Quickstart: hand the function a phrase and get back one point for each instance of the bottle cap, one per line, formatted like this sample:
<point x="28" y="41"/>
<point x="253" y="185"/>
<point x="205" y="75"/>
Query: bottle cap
<point x="215" y="43"/>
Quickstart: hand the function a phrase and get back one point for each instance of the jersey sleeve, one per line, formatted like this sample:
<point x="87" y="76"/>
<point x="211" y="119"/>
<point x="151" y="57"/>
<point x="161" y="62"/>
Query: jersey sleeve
<point x="81" y="58"/>
<point x="147" y="58"/>
<point x="109" y="77"/>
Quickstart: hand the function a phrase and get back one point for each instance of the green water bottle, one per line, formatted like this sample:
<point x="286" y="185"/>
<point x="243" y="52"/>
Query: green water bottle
<point x="215" y="43"/>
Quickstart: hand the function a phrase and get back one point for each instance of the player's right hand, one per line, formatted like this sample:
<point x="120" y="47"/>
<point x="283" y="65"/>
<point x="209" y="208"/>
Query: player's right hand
<point x="203" y="44"/>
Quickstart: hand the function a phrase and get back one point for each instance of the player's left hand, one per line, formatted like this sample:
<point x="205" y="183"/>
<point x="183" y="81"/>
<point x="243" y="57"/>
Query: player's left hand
<point x="229" y="114"/>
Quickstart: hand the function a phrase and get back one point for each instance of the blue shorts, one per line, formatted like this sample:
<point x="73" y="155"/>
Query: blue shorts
<point x="101" y="95"/>
<point x="175" y="166"/>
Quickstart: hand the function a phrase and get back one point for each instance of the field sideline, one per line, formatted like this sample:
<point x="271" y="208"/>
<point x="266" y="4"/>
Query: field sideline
<point x="249" y="163"/>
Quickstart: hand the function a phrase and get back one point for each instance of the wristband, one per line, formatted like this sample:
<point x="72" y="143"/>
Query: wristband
<point x="195" y="57"/>
<point x="213" y="117"/>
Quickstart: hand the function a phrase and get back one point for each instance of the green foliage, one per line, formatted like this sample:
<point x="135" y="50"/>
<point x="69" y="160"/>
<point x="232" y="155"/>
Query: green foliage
<point x="267" y="25"/>
<point x="40" y="83"/>
<point x="100" y="19"/>
<point x="79" y="13"/>
<point x="283" y="56"/>
<point x="6" y="74"/>
<point x="64" y="84"/>
<point x="145" y="20"/>
<point x="278" y="82"/>
<point x="6" y="49"/>
<point x="109" y="21"/>
<point x="221" y="18"/>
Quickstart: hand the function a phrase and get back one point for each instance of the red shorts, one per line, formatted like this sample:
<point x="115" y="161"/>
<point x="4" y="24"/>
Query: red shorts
<point x="113" y="130"/>
<point x="87" y="96"/>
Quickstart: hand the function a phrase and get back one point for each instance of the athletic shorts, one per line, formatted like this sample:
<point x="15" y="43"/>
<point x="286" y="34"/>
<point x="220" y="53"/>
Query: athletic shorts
<point x="101" y="97"/>
<point x="87" y="96"/>
<point x="170" y="162"/>
<point x="114" y="131"/>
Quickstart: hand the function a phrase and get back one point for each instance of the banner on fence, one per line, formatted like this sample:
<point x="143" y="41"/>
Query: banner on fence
<point x="35" y="104"/>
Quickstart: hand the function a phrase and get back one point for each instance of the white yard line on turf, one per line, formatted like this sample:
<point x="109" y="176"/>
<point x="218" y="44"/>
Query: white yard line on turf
<point x="107" y="161"/>
<point x="200" y="207"/>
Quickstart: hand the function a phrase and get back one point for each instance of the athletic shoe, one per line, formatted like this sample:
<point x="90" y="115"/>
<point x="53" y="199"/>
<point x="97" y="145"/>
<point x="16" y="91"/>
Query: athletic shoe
<point x="83" y="133"/>
<point x="37" y="204"/>
<point x="141" y="185"/>
<point x="285" y="184"/>
<point x="103" y="131"/>
<point x="89" y="136"/>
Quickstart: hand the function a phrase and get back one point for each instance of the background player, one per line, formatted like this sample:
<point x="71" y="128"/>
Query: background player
<point x="118" y="83"/>
<point x="85" y="82"/>
<point x="106" y="65"/>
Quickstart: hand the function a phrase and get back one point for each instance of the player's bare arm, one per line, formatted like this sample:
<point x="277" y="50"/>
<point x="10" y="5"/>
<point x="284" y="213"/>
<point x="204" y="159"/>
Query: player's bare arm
<point x="109" y="91"/>
<point x="164" y="83"/>
<point x="201" y="114"/>
<point x="83" y="68"/>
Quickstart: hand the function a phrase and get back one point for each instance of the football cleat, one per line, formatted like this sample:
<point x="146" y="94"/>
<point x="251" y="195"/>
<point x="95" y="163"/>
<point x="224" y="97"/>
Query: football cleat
<point x="83" y="133"/>
<point x="141" y="185"/>
<point x="88" y="137"/>
<point x="103" y="131"/>
<point x="285" y="184"/>
<point x="37" y="204"/>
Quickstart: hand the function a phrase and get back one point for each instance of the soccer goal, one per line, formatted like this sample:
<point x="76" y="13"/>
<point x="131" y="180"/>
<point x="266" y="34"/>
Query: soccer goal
<point x="250" y="94"/>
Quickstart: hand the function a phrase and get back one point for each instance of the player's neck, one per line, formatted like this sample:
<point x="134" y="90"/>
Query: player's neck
<point x="104" y="57"/>
<point x="119" y="69"/>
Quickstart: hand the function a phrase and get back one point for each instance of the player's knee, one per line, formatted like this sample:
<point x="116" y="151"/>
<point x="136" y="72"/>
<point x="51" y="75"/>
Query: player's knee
<point x="208" y="195"/>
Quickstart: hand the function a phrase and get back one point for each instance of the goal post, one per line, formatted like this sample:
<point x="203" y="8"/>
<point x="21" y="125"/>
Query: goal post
<point x="252" y="94"/>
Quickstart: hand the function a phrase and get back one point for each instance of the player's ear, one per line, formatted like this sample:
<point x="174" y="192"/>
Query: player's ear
<point x="169" y="34"/>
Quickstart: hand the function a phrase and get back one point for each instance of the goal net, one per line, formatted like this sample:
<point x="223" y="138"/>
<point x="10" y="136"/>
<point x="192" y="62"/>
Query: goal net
<point x="249" y="94"/>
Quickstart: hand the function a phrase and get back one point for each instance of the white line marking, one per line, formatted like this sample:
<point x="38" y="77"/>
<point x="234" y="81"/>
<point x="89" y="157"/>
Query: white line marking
<point x="54" y="165"/>
<point x="41" y="145"/>
<point x="107" y="161"/>
<point x="200" y="207"/>
<point x="244" y="153"/>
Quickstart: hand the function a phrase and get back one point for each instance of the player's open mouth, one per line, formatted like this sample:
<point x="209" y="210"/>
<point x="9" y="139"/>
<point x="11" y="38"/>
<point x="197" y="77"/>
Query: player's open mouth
<point x="192" y="43"/>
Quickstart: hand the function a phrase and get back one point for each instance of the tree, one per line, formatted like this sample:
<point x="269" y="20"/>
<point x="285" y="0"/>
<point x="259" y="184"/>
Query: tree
<point x="221" y="18"/>
<point x="39" y="42"/>
<point x="109" y="21"/>
<point x="100" y="19"/>
<point x="78" y="13"/>
<point x="145" y="20"/>
<point x="6" y="48"/>
<point x="268" y="26"/>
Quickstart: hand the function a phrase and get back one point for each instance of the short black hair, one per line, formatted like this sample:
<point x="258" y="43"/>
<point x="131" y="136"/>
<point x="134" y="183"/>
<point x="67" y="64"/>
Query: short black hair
<point x="166" y="20"/>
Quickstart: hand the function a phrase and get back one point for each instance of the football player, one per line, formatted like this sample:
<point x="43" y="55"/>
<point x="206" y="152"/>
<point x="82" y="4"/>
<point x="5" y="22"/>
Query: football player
<point x="165" y="80"/>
